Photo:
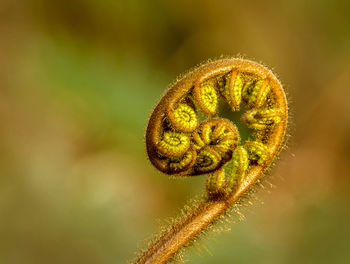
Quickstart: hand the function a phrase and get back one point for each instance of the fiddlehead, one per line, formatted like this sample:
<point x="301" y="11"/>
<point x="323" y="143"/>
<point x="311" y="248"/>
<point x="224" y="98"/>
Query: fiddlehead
<point x="179" y="145"/>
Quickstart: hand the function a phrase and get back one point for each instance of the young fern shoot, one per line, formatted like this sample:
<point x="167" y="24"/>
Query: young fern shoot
<point x="179" y="145"/>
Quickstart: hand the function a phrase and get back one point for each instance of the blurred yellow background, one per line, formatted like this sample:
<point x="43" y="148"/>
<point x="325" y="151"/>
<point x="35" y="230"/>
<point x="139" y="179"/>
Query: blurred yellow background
<point x="78" y="80"/>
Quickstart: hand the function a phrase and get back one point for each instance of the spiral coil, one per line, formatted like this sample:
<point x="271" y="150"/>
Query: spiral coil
<point x="178" y="144"/>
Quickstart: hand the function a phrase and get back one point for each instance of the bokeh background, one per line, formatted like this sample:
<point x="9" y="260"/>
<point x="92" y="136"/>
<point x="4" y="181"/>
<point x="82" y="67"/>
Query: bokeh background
<point x="78" y="80"/>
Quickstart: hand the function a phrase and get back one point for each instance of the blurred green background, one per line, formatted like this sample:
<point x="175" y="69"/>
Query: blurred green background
<point x="78" y="80"/>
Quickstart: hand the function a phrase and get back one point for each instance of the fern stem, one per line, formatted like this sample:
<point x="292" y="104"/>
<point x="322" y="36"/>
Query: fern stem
<point x="190" y="226"/>
<point x="183" y="232"/>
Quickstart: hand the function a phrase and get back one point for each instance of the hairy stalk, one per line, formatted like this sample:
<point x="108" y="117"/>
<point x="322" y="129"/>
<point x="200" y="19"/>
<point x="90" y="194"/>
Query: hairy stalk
<point x="179" y="145"/>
